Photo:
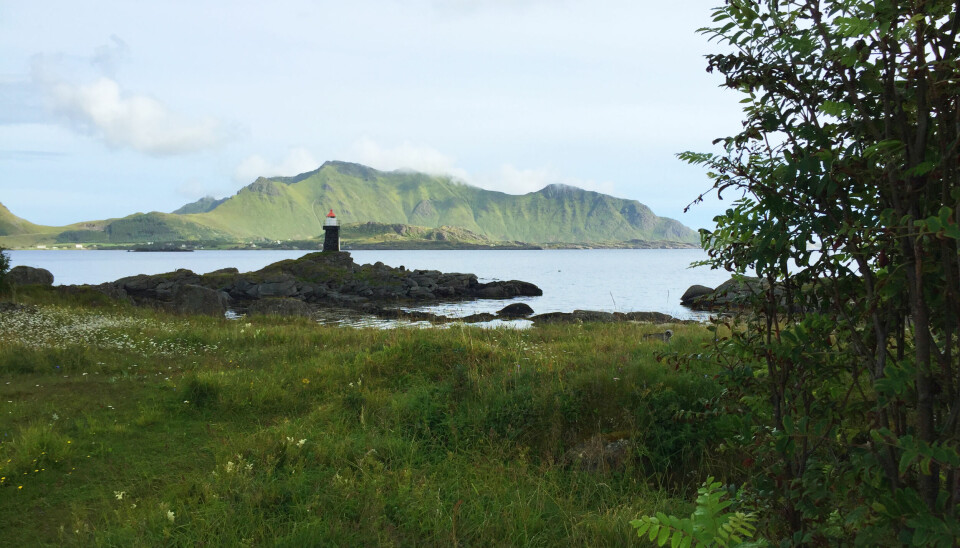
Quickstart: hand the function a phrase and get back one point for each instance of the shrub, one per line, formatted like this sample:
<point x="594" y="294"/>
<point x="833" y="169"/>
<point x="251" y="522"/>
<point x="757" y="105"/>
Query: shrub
<point x="4" y="268"/>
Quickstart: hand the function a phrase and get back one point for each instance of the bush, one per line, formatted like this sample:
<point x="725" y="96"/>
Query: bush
<point x="4" y="268"/>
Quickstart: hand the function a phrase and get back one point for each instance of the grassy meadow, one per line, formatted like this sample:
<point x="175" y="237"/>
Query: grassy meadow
<point x="126" y="427"/>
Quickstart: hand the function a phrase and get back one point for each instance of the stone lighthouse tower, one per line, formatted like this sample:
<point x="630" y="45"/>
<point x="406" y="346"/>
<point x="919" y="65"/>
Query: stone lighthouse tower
<point x="331" y="233"/>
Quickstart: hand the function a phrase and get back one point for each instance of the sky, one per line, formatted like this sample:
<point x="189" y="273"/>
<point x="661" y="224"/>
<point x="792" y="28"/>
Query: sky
<point x="108" y="108"/>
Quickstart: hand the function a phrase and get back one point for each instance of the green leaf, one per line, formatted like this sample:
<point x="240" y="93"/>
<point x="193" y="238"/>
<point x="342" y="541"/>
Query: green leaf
<point x="654" y="529"/>
<point x="664" y="536"/>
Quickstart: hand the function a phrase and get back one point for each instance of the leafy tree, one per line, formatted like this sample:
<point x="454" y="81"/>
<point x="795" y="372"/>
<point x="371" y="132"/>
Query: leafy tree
<point x="847" y="173"/>
<point x="4" y="267"/>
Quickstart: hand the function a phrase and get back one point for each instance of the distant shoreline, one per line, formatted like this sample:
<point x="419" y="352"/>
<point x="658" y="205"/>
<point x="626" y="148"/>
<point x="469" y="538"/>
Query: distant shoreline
<point x="378" y="246"/>
<point x="373" y="247"/>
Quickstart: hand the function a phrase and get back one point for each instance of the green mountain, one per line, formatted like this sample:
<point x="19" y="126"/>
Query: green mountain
<point x="202" y="205"/>
<point x="401" y="207"/>
<point x="11" y="225"/>
<point x="294" y="208"/>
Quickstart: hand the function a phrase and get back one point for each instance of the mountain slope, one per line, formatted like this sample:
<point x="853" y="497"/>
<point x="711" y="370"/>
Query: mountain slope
<point x="202" y="205"/>
<point x="294" y="208"/>
<point x="11" y="225"/>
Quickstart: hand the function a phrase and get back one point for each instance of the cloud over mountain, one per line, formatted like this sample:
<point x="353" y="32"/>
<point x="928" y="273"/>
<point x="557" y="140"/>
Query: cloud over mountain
<point x="137" y="121"/>
<point x="298" y="160"/>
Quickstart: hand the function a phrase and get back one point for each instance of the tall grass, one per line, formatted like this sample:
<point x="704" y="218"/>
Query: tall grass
<point x="189" y="431"/>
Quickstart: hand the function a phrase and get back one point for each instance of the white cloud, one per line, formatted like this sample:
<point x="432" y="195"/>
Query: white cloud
<point x="108" y="57"/>
<point x="424" y="158"/>
<point x="513" y="180"/>
<point x="407" y="155"/>
<point x="83" y="95"/>
<point x="130" y="120"/>
<point x="298" y="160"/>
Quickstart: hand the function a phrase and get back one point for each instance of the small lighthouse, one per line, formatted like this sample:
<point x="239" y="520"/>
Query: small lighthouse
<point x="331" y="233"/>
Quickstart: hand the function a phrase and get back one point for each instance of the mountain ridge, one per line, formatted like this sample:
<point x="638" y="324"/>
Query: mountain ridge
<point x="294" y="208"/>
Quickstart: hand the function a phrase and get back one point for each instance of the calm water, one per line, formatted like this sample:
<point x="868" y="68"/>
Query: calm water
<point x="612" y="280"/>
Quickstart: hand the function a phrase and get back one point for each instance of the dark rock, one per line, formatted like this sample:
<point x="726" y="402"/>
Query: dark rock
<point x="323" y="279"/>
<point x="693" y="292"/>
<point x="228" y="270"/>
<point x="651" y="317"/>
<point x="491" y="291"/>
<point x="515" y="310"/>
<point x="421" y="294"/>
<point x="278" y="286"/>
<point x="192" y="299"/>
<point x="7" y="306"/>
<point x="731" y="295"/>
<point x="28" y="275"/>
<point x="477" y="318"/>
<point x="280" y="307"/>
<point x="507" y="290"/>
<point x="114" y="291"/>
<point x="594" y="316"/>
<point x="573" y="317"/>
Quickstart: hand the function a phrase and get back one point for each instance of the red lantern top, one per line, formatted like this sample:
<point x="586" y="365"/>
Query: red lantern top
<point x="331" y="214"/>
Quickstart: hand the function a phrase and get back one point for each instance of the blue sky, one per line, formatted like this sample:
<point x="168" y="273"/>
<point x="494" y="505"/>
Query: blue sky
<point x="108" y="108"/>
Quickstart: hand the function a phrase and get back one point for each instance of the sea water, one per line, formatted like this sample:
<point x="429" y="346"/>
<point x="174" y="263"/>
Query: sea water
<point x="611" y="280"/>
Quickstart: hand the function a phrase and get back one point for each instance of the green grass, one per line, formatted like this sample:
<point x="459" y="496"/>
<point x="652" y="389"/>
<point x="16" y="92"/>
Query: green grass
<point x="282" y="431"/>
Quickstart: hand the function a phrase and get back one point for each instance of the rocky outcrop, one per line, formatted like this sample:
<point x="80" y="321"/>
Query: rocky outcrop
<point x="694" y="292"/>
<point x="28" y="275"/>
<point x="603" y="317"/>
<point x="190" y="299"/>
<point x="515" y="310"/>
<point x="180" y="292"/>
<point x="321" y="279"/>
<point x="733" y="294"/>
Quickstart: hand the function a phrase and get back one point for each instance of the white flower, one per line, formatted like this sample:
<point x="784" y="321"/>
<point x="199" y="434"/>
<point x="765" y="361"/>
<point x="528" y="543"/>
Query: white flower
<point x="229" y="466"/>
<point x="171" y="516"/>
<point x="119" y="494"/>
<point x="55" y="417"/>
<point x="301" y="442"/>
<point x="289" y="439"/>
<point x="249" y="466"/>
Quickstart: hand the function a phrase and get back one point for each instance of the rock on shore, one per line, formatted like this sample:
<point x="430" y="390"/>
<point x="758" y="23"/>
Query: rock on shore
<point x="321" y="279"/>
<point x="28" y="275"/>
<point x="733" y="294"/>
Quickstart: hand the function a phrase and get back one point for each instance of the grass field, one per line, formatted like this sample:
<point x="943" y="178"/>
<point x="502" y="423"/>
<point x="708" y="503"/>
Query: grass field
<point x="126" y="427"/>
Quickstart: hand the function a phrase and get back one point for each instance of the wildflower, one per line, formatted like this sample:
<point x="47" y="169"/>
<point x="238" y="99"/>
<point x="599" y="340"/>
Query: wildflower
<point x="119" y="494"/>
<point x="301" y="442"/>
<point x="289" y="439"/>
<point x="249" y="466"/>
<point x="230" y="466"/>
<point x="306" y="381"/>
<point x="171" y="516"/>
<point x="55" y="417"/>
